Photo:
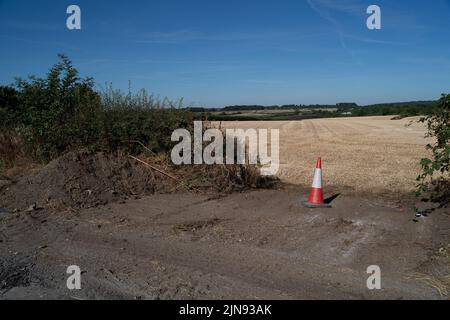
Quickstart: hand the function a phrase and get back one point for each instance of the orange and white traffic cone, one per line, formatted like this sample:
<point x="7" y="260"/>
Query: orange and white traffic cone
<point x="315" y="199"/>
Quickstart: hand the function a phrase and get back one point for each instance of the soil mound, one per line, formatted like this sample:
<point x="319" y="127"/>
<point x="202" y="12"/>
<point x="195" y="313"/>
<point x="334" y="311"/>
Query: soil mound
<point x="84" y="179"/>
<point x="81" y="179"/>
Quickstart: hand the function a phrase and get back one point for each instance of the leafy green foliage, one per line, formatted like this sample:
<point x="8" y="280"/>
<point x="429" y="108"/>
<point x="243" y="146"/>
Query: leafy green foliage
<point x="9" y="102"/>
<point x="58" y="112"/>
<point x="63" y="112"/>
<point x="438" y="127"/>
<point x="407" y="109"/>
<point x="10" y="143"/>
<point x="141" y="118"/>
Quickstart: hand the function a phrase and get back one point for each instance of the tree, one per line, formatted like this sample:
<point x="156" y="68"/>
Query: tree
<point x="58" y="112"/>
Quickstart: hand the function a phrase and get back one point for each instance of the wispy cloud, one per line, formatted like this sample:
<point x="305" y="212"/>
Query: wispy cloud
<point x="370" y="40"/>
<point x="182" y="36"/>
<point x="328" y="9"/>
<point x="129" y="62"/>
<point x="172" y="37"/>
<point x="262" y="81"/>
<point x="42" y="43"/>
<point x="28" y="25"/>
<point x="323" y="7"/>
<point x="345" y="6"/>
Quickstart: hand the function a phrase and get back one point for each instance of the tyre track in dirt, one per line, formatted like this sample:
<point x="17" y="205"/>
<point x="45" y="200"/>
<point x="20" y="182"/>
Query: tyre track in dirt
<point x="240" y="246"/>
<point x="270" y="271"/>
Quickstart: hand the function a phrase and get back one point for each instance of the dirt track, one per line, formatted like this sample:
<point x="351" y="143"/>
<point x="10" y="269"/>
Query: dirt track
<point x="241" y="246"/>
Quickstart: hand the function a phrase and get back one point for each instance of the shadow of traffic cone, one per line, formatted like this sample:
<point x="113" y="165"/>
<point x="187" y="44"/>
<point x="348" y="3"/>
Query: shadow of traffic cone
<point x="315" y="199"/>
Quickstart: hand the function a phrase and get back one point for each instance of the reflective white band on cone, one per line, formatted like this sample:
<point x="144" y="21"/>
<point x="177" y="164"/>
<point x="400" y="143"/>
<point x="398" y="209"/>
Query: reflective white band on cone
<point x="317" y="182"/>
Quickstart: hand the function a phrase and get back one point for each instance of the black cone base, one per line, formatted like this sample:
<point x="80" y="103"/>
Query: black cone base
<point x="314" y="206"/>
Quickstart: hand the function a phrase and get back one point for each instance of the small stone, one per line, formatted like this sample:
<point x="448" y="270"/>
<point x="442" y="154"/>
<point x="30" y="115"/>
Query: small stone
<point x="34" y="207"/>
<point x="31" y="208"/>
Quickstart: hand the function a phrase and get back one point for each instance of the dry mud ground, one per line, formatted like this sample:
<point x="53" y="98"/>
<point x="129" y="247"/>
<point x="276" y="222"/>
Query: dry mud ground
<point x="255" y="245"/>
<point x="261" y="244"/>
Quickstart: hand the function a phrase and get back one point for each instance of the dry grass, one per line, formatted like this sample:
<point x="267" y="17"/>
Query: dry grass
<point x="369" y="154"/>
<point x="11" y="149"/>
<point x="437" y="272"/>
<point x="440" y="284"/>
<point x="13" y="159"/>
<point x="217" y="178"/>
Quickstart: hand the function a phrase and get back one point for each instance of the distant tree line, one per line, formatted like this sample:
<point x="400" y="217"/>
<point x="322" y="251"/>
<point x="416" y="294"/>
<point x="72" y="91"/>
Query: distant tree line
<point x="404" y="109"/>
<point x="413" y="108"/>
<point x="276" y="107"/>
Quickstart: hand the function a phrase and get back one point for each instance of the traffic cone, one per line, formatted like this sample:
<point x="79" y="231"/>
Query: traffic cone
<point x="315" y="199"/>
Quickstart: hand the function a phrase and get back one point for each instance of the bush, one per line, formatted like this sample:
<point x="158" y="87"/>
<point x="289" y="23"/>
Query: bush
<point x="9" y="103"/>
<point x="59" y="112"/>
<point x="141" y="118"/>
<point x="63" y="112"/>
<point x="438" y="166"/>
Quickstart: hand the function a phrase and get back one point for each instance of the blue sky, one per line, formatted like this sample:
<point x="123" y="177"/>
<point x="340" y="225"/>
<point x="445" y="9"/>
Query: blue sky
<point x="215" y="53"/>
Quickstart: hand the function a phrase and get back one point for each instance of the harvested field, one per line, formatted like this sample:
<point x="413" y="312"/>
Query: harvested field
<point x="364" y="155"/>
